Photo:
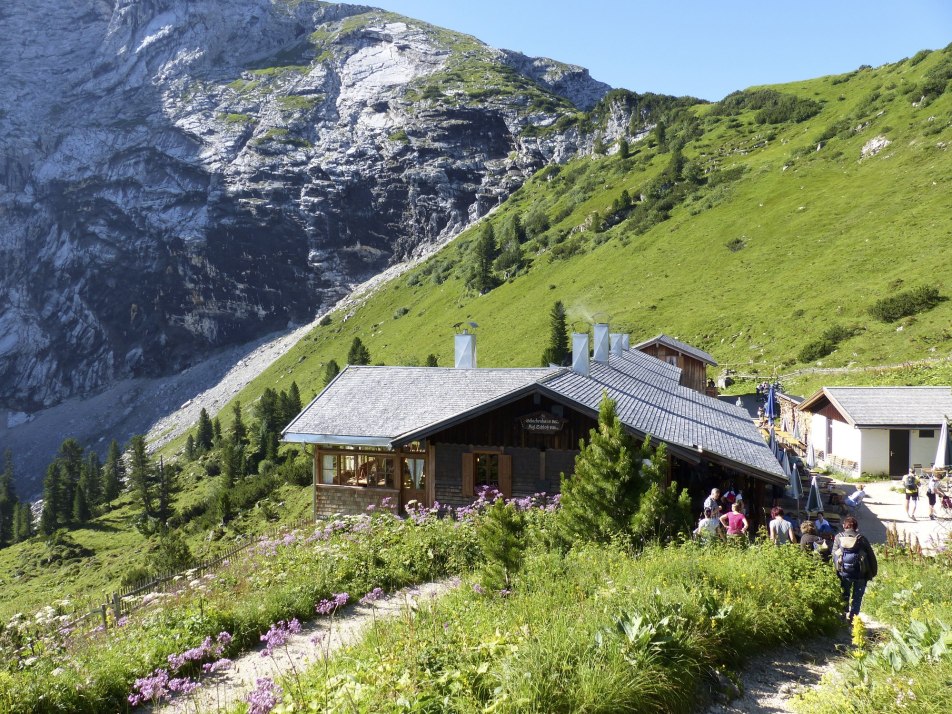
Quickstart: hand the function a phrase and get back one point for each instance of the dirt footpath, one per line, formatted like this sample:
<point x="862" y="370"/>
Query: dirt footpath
<point x="318" y="640"/>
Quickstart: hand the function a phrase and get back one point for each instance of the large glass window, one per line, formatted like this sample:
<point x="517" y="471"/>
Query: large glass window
<point x="374" y="470"/>
<point x="487" y="470"/>
<point x="328" y="468"/>
<point x="414" y="474"/>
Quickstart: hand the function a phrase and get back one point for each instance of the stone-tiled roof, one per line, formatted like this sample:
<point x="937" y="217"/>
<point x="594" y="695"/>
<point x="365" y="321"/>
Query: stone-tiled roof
<point x="671" y="413"/>
<point x="376" y="405"/>
<point x="888" y="406"/>
<point x="674" y="344"/>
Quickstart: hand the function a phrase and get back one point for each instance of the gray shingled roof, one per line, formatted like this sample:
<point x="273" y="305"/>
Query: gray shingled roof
<point x="680" y="346"/>
<point x="376" y="405"/>
<point x="671" y="413"/>
<point x="889" y="406"/>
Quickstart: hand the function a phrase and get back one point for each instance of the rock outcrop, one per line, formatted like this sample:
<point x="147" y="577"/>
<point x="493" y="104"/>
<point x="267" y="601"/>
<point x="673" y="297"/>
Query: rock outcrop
<point x="179" y="175"/>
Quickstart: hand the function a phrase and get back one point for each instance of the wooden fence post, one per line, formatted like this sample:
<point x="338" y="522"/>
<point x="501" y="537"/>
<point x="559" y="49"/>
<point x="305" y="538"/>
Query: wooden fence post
<point x="117" y="605"/>
<point x="105" y="619"/>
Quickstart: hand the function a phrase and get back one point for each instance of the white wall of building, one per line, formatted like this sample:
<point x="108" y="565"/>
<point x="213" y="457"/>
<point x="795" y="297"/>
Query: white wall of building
<point x="847" y="441"/>
<point x="875" y="451"/>
<point x="922" y="451"/>
<point x="818" y="432"/>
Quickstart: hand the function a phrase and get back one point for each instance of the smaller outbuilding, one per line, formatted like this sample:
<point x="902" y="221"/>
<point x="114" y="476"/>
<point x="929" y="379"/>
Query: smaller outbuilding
<point x="877" y="430"/>
<point x="692" y="362"/>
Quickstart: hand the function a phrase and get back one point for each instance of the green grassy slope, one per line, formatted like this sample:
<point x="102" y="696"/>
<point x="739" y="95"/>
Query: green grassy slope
<point x="816" y="236"/>
<point x="824" y="235"/>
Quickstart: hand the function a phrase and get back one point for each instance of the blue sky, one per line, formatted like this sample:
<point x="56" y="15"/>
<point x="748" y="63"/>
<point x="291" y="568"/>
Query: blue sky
<point x="704" y="48"/>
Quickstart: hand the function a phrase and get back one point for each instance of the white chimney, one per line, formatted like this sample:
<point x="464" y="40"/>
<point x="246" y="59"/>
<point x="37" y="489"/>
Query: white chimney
<point x="580" y="353"/>
<point x="616" y="342"/>
<point x="626" y="342"/>
<point x="601" y="342"/>
<point x="465" y="344"/>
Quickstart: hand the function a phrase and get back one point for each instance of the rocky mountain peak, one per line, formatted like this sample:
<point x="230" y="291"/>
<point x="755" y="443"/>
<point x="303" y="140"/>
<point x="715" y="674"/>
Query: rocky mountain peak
<point x="178" y="175"/>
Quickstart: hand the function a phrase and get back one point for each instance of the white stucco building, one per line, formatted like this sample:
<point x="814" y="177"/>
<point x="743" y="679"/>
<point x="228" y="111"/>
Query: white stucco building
<point x="877" y="430"/>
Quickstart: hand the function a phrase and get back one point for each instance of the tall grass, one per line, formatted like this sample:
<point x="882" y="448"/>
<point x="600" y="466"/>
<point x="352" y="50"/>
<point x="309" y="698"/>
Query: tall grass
<point x="598" y="630"/>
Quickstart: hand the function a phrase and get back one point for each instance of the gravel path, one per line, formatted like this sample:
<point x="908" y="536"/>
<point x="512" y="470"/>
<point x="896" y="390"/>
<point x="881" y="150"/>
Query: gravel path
<point x="317" y="640"/>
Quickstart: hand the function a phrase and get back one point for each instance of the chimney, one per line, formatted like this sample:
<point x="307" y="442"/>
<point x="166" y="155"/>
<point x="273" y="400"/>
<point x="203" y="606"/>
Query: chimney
<point x="616" y="343"/>
<point x="465" y="349"/>
<point x="580" y="353"/>
<point x="626" y="342"/>
<point x="601" y="342"/>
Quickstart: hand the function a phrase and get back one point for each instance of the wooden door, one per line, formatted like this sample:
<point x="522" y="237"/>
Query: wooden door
<point x="898" y="451"/>
<point x="413" y="480"/>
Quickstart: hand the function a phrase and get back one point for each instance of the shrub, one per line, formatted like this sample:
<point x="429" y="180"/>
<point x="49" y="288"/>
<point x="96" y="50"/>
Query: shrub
<point x="735" y="244"/>
<point x="825" y="345"/>
<point x="906" y="303"/>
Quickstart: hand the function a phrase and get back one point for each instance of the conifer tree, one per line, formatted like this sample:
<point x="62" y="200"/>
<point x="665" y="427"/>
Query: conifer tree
<point x="165" y="481"/>
<point x="81" y="512"/>
<point x="91" y="480"/>
<point x="624" y="148"/>
<point x="501" y="535"/>
<point x="50" y="516"/>
<point x="600" y="499"/>
<point x="142" y="473"/>
<point x="24" y="522"/>
<point x="294" y="401"/>
<point x="113" y="474"/>
<point x="511" y="260"/>
<point x="190" y="448"/>
<point x="358" y="353"/>
<point x="481" y="258"/>
<point x="239" y="433"/>
<point x="70" y="458"/>
<point x="431" y="360"/>
<point x="269" y="428"/>
<point x="205" y="432"/>
<point x="331" y="371"/>
<point x="8" y="501"/>
<point x="216" y="432"/>
<point x="557" y="351"/>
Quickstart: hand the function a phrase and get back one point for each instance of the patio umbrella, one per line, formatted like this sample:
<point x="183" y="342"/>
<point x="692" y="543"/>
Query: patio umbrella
<point x="814" y="502"/>
<point x="784" y="426"/>
<point x="942" y="452"/>
<point x="796" y="490"/>
<point x="770" y="404"/>
<point x="796" y="429"/>
<point x="772" y="440"/>
<point x="811" y="456"/>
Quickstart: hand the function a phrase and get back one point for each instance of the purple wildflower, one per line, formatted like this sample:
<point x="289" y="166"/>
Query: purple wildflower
<point x="277" y="636"/>
<point x="224" y="638"/>
<point x="183" y="685"/>
<point x="153" y="688"/>
<point x="216" y="666"/>
<point x="326" y="607"/>
<point x="264" y="697"/>
<point x="122" y="621"/>
<point x="478" y="589"/>
<point x="372" y="596"/>
<point x="317" y="638"/>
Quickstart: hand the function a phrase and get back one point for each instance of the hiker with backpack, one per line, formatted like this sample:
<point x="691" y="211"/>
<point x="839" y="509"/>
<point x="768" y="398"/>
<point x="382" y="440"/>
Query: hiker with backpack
<point x="855" y="563"/>
<point x="910" y="485"/>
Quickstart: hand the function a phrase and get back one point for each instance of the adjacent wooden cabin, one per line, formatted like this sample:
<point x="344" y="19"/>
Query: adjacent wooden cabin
<point x="692" y="362"/>
<point x="389" y="436"/>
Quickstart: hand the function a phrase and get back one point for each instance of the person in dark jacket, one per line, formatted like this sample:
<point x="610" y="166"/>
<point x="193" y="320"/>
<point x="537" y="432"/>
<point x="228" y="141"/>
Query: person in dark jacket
<point x="855" y="563"/>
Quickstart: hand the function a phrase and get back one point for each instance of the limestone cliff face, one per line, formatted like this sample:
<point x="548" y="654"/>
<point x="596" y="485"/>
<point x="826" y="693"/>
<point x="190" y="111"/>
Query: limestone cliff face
<point x="177" y="175"/>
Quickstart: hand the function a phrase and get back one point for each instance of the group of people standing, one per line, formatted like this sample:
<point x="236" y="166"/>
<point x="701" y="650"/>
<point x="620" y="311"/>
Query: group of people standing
<point x="851" y="552"/>
<point x="911" y="484"/>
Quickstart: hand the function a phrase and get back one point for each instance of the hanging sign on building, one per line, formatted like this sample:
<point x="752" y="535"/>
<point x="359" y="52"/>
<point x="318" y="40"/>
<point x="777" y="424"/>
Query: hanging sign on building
<point x="542" y="423"/>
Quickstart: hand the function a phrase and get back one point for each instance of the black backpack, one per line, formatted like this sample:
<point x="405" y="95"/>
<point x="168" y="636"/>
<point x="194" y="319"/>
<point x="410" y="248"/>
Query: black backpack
<point x="851" y="559"/>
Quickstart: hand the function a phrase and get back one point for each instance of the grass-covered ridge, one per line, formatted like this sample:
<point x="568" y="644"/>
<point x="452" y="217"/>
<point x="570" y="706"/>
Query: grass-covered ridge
<point x="747" y="237"/>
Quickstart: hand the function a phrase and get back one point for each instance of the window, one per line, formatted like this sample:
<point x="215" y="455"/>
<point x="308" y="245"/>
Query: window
<point x="927" y="433"/>
<point x="328" y="468"/>
<point x="413" y="473"/>
<point x="374" y="470"/>
<point x="487" y="470"/>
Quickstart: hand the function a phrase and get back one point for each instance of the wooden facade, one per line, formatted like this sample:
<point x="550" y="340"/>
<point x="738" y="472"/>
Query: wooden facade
<point x="520" y="448"/>
<point x="693" y="370"/>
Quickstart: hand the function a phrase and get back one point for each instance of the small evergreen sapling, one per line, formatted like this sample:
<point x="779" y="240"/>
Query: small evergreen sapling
<point x="501" y="536"/>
